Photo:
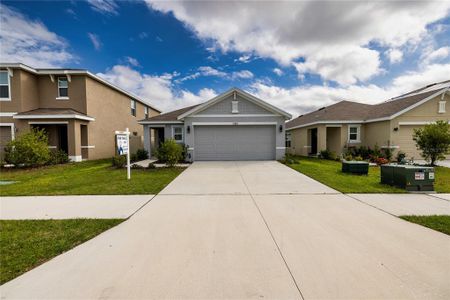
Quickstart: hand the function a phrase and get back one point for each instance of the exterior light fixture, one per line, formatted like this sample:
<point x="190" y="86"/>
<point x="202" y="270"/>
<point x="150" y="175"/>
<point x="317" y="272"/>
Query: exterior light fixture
<point x="281" y="128"/>
<point x="188" y="129"/>
<point x="395" y="128"/>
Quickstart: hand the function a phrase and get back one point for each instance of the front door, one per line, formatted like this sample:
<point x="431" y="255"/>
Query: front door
<point x="63" y="141"/>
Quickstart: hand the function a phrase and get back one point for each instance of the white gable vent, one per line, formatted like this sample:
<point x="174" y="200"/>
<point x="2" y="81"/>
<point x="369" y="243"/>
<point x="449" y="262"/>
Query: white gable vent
<point x="234" y="107"/>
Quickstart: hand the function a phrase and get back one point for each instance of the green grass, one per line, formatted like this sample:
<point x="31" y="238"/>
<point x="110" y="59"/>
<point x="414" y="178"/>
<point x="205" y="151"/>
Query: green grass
<point x="439" y="223"/>
<point x="85" y="178"/>
<point x="329" y="172"/>
<point x="25" y="244"/>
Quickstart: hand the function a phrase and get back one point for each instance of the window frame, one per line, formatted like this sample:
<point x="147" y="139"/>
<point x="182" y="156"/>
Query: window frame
<point x="358" y="134"/>
<point x="59" y="88"/>
<point x="288" y="139"/>
<point x="133" y="107"/>
<point x="8" y="84"/>
<point x="442" y="107"/>
<point x="146" y="112"/>
<point x="181" y="133"/>
<point x="234" y="107"/>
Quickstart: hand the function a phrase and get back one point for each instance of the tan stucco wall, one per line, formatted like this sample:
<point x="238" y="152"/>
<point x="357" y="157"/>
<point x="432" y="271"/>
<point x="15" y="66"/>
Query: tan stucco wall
<point x="377" y="133"/>
<point x="48" y="92"/>
<point x="24" y="92"/>
<point x="334" y="141"/>
<point x="111" y="110"/>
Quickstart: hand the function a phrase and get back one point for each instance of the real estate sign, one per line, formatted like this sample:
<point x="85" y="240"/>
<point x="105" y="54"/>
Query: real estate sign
<point x="122" y="144"/>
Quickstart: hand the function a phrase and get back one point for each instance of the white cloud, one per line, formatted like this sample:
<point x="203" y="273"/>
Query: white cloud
<point x="244" y="58"/>
<point x="158" y="90"/>
<point x="278" y="71"/>
<point x="30" y="42"/>
<point x="210" y="71"/>
<point x="95" y="41"/>
<point x="303" y="99"/>
<point x="436" y="55"/>
<point x="287" y="31"/>
<point x="107" y="7"/>
<point x="394" y="55"/>
<point x="243" y="74"/>
<point x="132" y="61"/>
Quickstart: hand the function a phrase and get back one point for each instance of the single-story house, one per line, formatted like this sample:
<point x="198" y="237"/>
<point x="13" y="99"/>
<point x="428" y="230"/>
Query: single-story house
<point x="232" y="126"/>
<point x="389" y="124"/>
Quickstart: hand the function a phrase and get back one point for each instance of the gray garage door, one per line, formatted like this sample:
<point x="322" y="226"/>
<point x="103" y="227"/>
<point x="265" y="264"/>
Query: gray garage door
<point x="234" y="143"/>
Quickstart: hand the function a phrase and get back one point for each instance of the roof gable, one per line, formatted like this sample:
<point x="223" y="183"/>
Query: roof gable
<point x="235" y="94"/>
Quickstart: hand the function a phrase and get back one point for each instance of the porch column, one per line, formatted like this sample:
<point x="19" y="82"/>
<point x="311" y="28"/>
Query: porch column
<point x="147" y="139"/>
<point x="321" y="138"/>
<point x="74" y="140"/>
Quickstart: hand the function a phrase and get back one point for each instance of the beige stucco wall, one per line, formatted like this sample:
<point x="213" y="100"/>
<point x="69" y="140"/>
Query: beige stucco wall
<point x="24" y="92"/>
<point x="377" y="133"/>
<point x="111" y="110"/>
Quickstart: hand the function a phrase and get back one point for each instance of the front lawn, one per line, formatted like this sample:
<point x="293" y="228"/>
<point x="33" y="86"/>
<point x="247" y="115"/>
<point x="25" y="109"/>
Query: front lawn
<point x="95" y="177"/>
<point x="439" y="223"/>
<point x="329" y="172"/>
<point x="25" y="244"/>
<point x="442" y="180"/>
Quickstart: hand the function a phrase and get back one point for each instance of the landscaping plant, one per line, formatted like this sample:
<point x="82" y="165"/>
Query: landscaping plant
<point x="119" y="161"/>
<point x="400" y="157"/>
<point x="433" y="140"/>
<point x="29" y="149"/>
<point x="58" y="157"/>
<point x="141" y="154"/>
<point x="170" y="152"/>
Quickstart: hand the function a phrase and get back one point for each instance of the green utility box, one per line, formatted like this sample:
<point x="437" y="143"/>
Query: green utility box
<point x="411" y="178"/>
<point x="355" y="167"/>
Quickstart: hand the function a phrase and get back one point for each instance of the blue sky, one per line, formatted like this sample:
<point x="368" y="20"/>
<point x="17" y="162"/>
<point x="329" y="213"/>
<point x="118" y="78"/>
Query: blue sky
<point x="299" y="56"/>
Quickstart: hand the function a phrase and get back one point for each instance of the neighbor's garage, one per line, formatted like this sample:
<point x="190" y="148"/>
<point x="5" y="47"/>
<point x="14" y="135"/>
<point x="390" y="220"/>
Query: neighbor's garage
<point x="406" y="142"/>
<point x="240" y="142"/>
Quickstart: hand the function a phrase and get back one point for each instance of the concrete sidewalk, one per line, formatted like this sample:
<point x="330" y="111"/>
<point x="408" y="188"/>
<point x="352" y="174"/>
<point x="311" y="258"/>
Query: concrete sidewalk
<point x="406" y="204"/>
<point x="70" y="207"/>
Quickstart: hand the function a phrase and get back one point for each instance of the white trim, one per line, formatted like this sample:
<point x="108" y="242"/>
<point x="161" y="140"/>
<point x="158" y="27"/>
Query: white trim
<point x="326" y="122"/>
<point x="47" y="122"/>
<point x="76" y="72"/>
<point x="245" y="95"/>
<point x="75" y="158"/>
<point x="232" y="123"/>
<point x="62" y="98"/>
<point x="88" y="147"/>
<point x="59" y="88"/>
<point x="234" y="116"/>
<point x="7" y="114"/>
<point x="54" y="117"/>
<point x="12" y="129"/>
<point x="442" y="107"/>
<point x="160" y="122"/>
<point x="8" y="71"/>
<point x="280" y="148"/>
<point x="307" y="146"/>
<point x="191" y="149"/>
<point x="234" y="106"/>
<point x="334" y="126"/>
<point x="182" y="134"/>
<point x="390" y="147"/>
<point x="358" y="134"/>
<point x="417" y="123"/>
<point x="52" y="147"/>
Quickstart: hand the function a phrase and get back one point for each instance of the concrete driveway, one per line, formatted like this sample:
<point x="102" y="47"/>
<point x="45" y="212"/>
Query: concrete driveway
<point x="237" y="232"/>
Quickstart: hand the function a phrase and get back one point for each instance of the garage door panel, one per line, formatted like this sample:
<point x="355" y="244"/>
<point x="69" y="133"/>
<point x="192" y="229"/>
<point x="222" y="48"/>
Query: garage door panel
<point x="234" y="143"/>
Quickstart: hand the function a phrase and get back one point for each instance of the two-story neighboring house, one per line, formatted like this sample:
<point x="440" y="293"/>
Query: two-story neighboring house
<point x="79" y="111"/>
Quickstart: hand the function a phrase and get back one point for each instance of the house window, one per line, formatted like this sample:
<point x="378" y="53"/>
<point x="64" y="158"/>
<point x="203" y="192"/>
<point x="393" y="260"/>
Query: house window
<point x="354" y="133"/>
<point x="178" y="134"/>
<point x="288" y="139"/>
<point x="63" y="88"/>
<point x="5" y="90"/>
<point x="146" y="112"/>
<point x="133" y="108"/>
<point x="441" y="107"/>
<point x="234" y="107"/>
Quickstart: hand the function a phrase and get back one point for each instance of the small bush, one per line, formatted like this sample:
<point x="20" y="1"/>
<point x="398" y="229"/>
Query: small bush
<point x="119" y="161"/>
<point x="58" y="157"/>
<point x="170" y="152"/>
<point x="29" y="149"/>
<point x="142" y="154"/>
<point x="387" y="153"/>
<point x="400" y="156"/>
<point x="151" y="166"/>
<point x="134" y="157"/>
<point x="348" y="157"/>
<point x="358" y="158"/>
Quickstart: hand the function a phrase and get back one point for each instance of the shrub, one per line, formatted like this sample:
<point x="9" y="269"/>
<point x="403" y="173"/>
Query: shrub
<point x="134" y="157"/>
<point x="142" y="154"/>
<point x="151" y="166"/>
<point x="433" y="140"/>
<point x="170" y="152"/>
<point x="381" y="161"/>
<point x="119" y="161"/>
<point x="348" y="157"/>
<point x="358" y="158"/>
<point x="58" y="157"/>
<point x="400" y="156"/>
<point x="29" y="149"/>
<point x="387" y="153"/>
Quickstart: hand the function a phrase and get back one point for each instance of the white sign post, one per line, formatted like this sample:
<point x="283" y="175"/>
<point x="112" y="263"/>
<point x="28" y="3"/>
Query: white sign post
<point x="123" y="147"/>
